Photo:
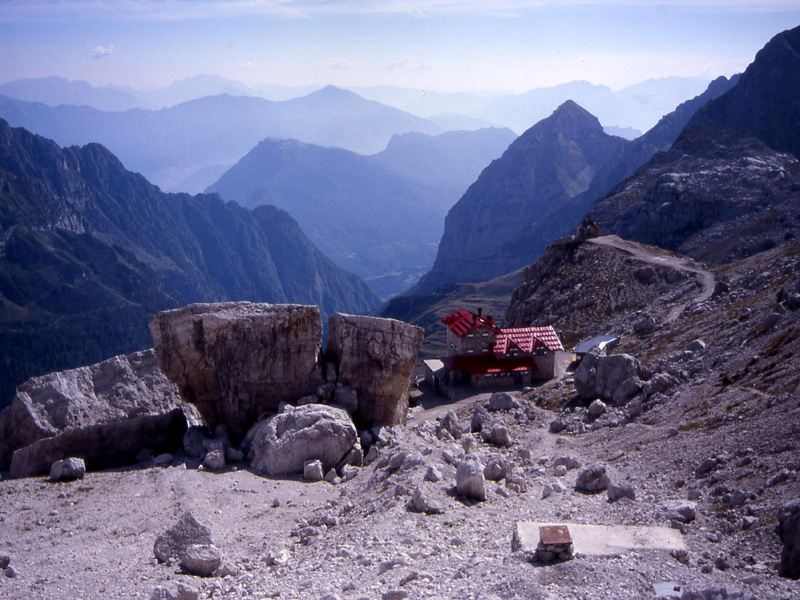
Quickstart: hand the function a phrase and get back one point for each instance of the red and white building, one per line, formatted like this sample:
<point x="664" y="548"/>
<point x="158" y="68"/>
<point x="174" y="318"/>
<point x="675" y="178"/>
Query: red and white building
<point x="481" y="354"/>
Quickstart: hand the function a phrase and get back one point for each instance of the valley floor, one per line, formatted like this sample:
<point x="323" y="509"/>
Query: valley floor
<point x="93" y="538"/>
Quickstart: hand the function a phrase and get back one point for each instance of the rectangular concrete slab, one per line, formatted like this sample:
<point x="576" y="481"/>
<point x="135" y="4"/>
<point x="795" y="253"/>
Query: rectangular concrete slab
<point x="601" y="540"/>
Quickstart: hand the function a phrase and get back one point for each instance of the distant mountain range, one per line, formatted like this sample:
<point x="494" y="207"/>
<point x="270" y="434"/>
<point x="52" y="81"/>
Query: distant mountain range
<point x="378" y="216"/>
<point x="635" y="107"/>
<point x="196" y="141"/>
<point x="89" y="251"/>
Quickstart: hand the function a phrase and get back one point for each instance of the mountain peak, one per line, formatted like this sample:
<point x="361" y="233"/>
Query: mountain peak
<point x="331" y="92"/>
<point x="764" y="101"/>
<point x="572" y="111"/>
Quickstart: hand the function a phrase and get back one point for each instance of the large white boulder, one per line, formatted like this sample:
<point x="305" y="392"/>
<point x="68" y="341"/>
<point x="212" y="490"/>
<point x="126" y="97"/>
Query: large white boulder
<point x="283" y="443"/>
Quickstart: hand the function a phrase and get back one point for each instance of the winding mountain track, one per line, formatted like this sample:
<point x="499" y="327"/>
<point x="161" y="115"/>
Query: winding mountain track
<point x="659" y="257"/>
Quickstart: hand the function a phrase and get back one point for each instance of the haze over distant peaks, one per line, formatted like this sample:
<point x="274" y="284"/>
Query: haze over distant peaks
<point x="172" y="145"/>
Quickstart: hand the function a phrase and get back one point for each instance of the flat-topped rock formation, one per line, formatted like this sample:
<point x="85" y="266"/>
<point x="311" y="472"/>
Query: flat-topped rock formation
<point x="237" y="360"/>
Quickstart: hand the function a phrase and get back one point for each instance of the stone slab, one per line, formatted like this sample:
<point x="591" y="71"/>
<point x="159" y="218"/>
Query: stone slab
<point x="602" y="540"/>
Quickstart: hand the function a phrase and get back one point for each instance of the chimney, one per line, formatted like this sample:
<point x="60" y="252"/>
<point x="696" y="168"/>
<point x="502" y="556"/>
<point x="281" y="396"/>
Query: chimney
<point x="480" y="311"/>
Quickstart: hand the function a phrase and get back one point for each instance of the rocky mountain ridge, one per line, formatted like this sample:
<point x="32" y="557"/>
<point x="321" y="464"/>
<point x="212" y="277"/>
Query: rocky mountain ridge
<point x="764" y="102"/>
<point x="550" y="163"/>
<point x="716" y="195"/>
<point x="90" y="251"/>
<point x="522" y="247"/>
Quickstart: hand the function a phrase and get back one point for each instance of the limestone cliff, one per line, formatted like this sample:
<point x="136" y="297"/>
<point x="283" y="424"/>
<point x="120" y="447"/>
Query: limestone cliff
<point x="547" y="165"/>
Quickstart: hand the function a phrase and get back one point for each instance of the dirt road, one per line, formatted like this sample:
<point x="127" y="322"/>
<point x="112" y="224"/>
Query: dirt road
<point x="660" y="257"/>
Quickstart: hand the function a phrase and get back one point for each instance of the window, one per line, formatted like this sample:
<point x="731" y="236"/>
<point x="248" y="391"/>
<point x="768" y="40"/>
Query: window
<point x="470" y="335"/>
<point x="485" y="334"/>
<point x="470" y="351"/>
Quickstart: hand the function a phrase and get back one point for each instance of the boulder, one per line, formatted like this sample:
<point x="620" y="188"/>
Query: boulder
<point x="789" y="532"/>
<point x="592" y="479"/>
<point x="502" y="401"/>
<point x="470" y="481"/>
<point x="479" y="416"/>
<point x="375" y="357"/>
<point x="610" y="378"/>
<point x="496" y="433"/>
<point x="616" y="492"/>
<point x="449" y="423"/>
<point x="214" y="460"/>
<point x="201" y="559"/>
<point x="597" y="408"/>
<point x="570" y="462"/>
<point x="423" y="500"/>
<point x="68" y="469"/>
<point x="237" y="360"/>
<point x="283" y="443"/>
<point x="313" y="470"/>
<point x="175" y="590"/>
<point x="89" y="399"/>
<point x="172" y="544"/>
<point x="496" y="469"/>
<point x="682" y="511"/>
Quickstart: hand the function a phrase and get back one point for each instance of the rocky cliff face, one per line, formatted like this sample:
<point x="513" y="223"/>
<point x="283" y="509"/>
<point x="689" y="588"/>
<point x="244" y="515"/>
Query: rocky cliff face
<point x="716" y="195"/>
<point x="588" y="289"/>
<point x="238" y="360"/>
<point x="88" y="251"/>
<point x="765" y="100"/>
<point x="550" y="163"/>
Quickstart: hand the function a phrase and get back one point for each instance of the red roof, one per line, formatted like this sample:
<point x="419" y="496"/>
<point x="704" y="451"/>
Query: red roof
<point x="480" y="364"/>
<point x="528" y="339"/>
<point x="462" y="322"/>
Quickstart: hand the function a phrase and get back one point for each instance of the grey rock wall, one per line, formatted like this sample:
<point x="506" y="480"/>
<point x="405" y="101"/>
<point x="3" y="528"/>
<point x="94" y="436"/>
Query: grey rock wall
<point x="237" y="360"/>
<point x="375" y="357"/>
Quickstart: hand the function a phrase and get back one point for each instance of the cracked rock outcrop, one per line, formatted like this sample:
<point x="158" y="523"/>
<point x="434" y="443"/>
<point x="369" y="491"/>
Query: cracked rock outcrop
<point x="375" y="357"/>
<point x="102" y="413"/>
<point x="237" y="360"/>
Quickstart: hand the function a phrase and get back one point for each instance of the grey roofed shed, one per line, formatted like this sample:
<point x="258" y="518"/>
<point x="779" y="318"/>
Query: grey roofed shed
<point x="601" y="341"/>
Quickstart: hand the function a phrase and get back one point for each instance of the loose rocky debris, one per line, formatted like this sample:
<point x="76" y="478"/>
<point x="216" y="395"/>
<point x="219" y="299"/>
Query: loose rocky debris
<point x="729" y="409"/>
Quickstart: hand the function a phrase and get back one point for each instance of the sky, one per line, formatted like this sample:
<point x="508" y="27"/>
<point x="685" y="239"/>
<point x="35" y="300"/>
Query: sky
<point x="441" y="45"/>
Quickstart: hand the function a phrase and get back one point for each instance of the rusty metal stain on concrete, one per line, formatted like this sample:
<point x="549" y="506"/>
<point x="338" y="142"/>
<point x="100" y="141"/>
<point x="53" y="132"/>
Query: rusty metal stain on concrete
<point x="555" y="534"/>
<point x="601" y="540"/>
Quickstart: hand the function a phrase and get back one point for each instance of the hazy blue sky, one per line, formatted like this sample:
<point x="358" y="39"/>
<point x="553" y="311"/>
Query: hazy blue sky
<point x="445" y="45"/>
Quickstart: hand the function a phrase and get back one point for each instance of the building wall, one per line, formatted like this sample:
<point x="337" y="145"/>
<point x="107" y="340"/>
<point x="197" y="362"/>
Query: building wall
<point x="479" y="340"/>
<point x="546" y="365"/>
<point x="481" y="381"/>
